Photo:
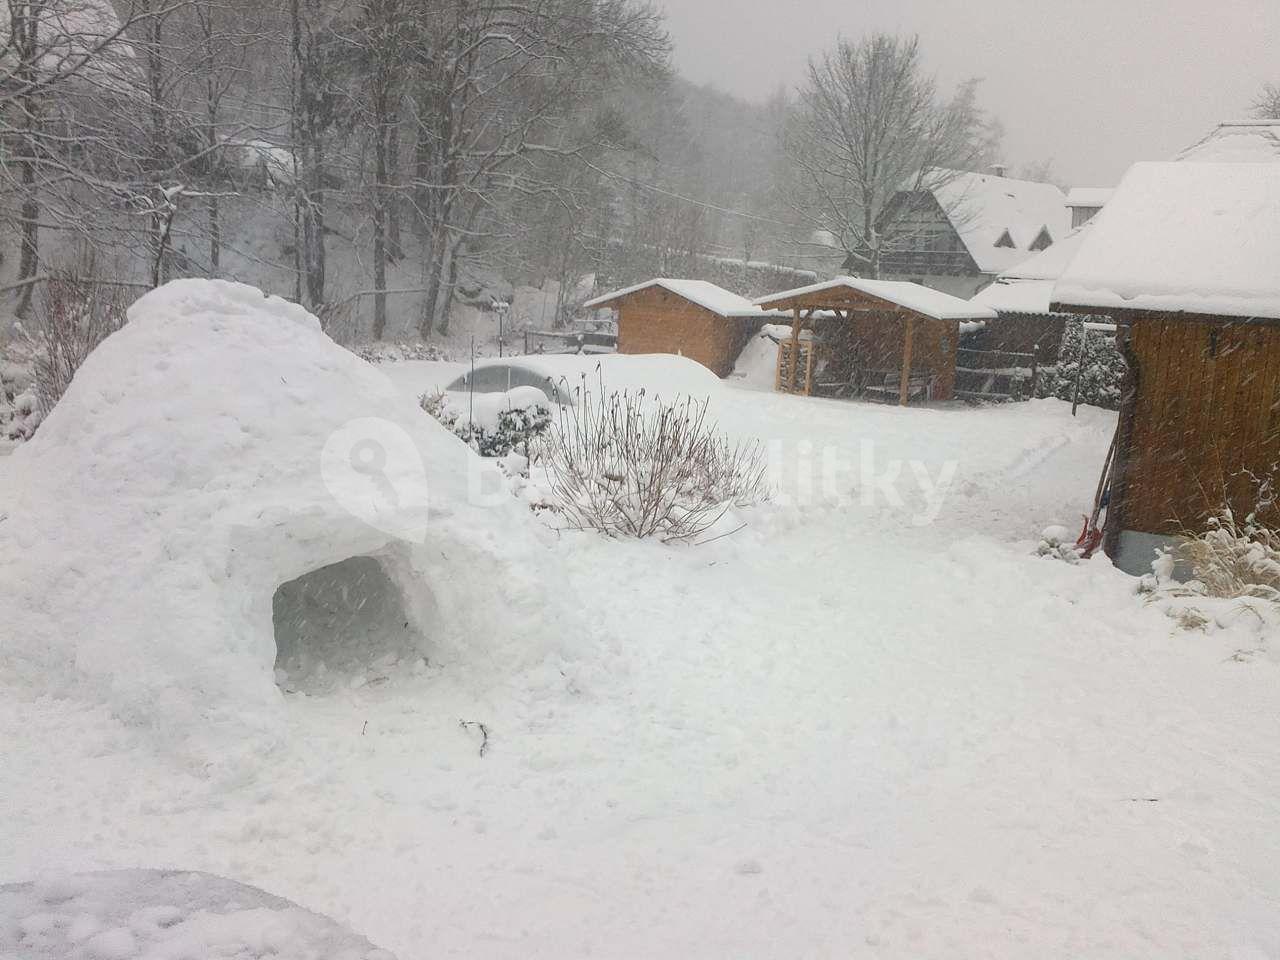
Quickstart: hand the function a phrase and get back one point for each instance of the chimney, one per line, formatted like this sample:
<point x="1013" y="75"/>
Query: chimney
<point x="999" y="169"/>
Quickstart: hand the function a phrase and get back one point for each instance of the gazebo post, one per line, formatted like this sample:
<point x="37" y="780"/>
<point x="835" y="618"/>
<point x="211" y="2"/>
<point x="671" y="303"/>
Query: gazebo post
<point x="904" y="388"/>
<point x="795" y="348"/>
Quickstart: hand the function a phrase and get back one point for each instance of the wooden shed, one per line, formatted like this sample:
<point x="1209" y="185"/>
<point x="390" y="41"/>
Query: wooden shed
<point x="878" y="339"/>
<point x="692" y="318"/>
<point x="1186" y="259"/>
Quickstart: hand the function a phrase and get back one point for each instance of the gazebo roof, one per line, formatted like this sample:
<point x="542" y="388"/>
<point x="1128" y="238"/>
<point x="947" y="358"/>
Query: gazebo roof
<point x="855" y="292"/>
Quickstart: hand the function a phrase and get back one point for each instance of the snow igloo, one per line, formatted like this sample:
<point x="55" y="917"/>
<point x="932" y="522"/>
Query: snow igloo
<point x="226" y="503"/>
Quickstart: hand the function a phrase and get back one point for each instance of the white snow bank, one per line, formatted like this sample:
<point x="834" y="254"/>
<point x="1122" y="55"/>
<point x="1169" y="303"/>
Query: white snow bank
<point x="1194" y="237"/>
<point x="757" y="365"/>
<point x="215" y="448"/>
<point x="165" y="915"/>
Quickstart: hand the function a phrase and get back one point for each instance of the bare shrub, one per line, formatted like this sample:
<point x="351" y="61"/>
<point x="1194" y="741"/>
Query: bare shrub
<point x="75" y="316"/>
<point x="631" y="468"/>
<point x="1234" y="558"/>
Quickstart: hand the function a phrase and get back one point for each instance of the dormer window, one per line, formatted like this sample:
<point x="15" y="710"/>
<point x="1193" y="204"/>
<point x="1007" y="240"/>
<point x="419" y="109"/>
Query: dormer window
<point x="1006" y="240"/>
<point x="1043" y="240"/>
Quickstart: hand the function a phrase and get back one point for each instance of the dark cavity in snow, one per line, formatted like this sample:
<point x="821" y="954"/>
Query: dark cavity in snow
<point x="343" y="625"/>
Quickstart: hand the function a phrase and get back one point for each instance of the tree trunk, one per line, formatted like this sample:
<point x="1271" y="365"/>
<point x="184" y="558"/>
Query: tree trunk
<point x="380" y="210"/>
<point x="395" y="249"/>
<point x="25" y="19"/>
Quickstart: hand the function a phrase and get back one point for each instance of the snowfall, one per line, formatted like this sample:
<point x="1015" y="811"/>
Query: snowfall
<point x="872" y="721"/>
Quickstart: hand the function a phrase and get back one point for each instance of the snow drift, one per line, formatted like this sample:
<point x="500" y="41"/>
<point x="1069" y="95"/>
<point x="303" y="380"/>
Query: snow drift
<point x="194" y="467"/>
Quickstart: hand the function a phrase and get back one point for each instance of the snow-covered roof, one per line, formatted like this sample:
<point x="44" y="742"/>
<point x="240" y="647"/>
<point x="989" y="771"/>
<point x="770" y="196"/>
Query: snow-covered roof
<point x="1089" y="196"/>
<point x="1237" y="141"/>
<point x="983" y="207"/>
<point x="1193" y="237"/>
<point x="1016" y="296"/>
<point x="1048" y="264"/>
<point x="1027" y="287"/>
<point x="912" y="296"/>
<point x="707" y="295"/>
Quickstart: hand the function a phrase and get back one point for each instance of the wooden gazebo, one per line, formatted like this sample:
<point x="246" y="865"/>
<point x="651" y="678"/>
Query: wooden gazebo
<point x="879" y="339"/>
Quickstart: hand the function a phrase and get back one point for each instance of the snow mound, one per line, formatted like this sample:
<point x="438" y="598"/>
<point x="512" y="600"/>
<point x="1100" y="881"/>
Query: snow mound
<point x="757" y="365"/>
<point x="216" y="448"/>
<point x="165" y="915"/>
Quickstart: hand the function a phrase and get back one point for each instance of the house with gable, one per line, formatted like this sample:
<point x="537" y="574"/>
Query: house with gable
<point x="960" y="233"/>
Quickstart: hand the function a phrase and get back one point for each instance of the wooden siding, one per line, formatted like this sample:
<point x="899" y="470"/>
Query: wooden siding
<point x="658" y="321"/>
<point x="1206" y="413"/>
<point x="1036" y="333"/>
<point x="921" y="241"/>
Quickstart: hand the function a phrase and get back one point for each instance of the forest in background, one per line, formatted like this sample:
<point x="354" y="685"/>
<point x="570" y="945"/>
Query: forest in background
<point x="382" y="161"/>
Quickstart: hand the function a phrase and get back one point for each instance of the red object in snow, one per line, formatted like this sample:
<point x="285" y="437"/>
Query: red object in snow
<point x="1090" y="538"/>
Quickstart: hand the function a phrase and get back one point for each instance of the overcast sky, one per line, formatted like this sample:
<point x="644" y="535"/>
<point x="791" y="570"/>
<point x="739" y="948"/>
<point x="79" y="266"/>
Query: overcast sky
<point x="1092" y="84"/>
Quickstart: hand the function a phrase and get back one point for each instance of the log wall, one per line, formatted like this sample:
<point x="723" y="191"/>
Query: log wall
<point x="658" y="321"/>
<point x="1206" y="413"/>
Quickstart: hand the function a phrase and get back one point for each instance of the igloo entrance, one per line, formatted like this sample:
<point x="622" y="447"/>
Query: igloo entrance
<point x="341" y="625"/>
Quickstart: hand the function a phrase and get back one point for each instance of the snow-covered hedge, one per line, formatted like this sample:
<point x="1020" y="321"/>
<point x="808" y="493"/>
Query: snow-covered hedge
<point x="493" y="424"/>
<point x="1104" y="369"/>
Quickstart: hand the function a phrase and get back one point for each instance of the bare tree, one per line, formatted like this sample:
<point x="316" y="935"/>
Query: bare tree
<point x="1267" y="104"/>
<point x="65" y="69"/>
<point x="871" y="129"/>
<point x="495" y="89"/>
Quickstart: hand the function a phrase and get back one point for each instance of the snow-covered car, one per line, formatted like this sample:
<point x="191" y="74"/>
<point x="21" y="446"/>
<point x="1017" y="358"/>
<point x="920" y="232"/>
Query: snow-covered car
<point x="562" y="377"/>
<point x="505" y="376"/>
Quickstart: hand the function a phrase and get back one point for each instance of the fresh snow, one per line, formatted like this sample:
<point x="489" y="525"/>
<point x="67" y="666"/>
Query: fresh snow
<point x="982" y="207"/>
<point x="913" y="296"/>
<point x="205" y="455"/>
<point x="1239" y="141"/>
<point x="1016" y="296"/>
<point x="1049" y="264"/>
<point x="1089" y="196"/>
<point x="873" y="722"/>
<point x="165" y="915"/>
<point x="1183" y="236"/>
<point x="1027" y="287"/>
<point x="707" y="295"/>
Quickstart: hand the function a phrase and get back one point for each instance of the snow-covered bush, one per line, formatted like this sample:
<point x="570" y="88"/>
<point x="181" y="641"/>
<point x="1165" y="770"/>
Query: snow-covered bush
<point x="74" y="318"/>
<point x="1059" y="543"/>
<point x="493" y="424"/>
<point x="625" y="466"/>
<point x="20" y="416"/>
<point x="1104" y="369"/>
<point x="383" y="352"/>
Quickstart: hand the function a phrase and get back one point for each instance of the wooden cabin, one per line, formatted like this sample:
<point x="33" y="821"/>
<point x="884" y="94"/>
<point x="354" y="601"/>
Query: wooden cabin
<point x="1187" y="262"/>
<point x="691" y="318"/>
<point x="883" y="340"/>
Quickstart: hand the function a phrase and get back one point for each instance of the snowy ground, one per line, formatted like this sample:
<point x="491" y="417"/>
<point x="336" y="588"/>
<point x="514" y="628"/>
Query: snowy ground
<point x="835" y="733"/>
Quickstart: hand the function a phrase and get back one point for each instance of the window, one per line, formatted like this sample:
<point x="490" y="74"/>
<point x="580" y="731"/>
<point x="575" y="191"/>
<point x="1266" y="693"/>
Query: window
<point x="1043" y="239"/>
<point x="1006" y="240"/>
